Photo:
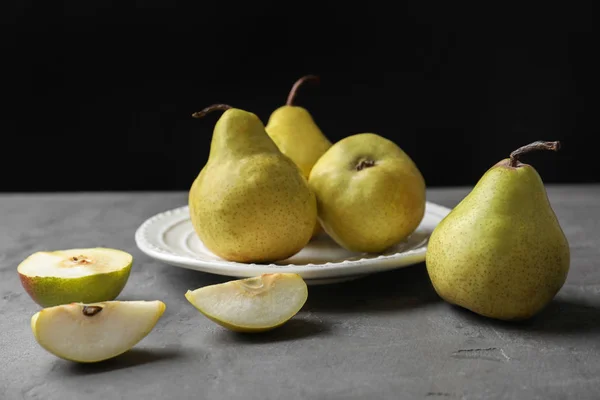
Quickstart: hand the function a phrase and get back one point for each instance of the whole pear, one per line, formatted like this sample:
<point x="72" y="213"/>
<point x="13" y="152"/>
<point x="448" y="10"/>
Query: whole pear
<point x="249" y="203"/>
<point x="370" y="193"/>
<point x="296" y="134"/>
<point x="501" y="252"/>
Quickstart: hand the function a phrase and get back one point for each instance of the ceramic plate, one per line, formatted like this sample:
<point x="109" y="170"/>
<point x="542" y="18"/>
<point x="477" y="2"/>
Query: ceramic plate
<point x="170" y="238"/>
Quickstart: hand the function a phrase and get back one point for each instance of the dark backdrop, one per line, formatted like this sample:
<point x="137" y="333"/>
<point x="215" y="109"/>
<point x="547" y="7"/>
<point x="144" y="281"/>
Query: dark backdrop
<point x="99" y="95"/>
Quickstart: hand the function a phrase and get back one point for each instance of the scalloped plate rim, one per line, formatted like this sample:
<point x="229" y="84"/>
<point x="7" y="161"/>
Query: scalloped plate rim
<point x="334" y="270"/>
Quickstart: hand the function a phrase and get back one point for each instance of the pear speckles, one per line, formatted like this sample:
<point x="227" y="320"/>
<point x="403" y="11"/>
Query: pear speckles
<point x="500" y="252"/>
<point x="371" y="194"/>
<point x="250" y="203"/>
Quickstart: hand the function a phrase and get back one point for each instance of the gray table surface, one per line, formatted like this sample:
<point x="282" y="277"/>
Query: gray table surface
<point x="387" y="336"/>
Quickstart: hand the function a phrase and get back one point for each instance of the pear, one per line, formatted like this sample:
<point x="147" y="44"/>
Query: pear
<point x="250" y="202"/>
<point x="296" y="134"/>
<point x="256" y="304"/>
<point x="88" y="333"/>
<point x="370" y="193"/>
<point x="501" y="252"/>
<point x="85" y="275"/>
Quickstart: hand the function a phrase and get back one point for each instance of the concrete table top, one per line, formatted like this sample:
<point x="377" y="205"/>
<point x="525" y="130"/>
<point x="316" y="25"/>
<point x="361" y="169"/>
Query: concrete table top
<point x="386" y="336"/>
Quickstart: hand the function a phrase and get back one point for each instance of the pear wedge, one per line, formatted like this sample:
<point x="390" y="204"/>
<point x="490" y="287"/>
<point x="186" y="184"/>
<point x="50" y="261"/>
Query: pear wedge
<point x="75" y="275"/>
<point x="88" y="333"/>
<point x="254" y="304"/>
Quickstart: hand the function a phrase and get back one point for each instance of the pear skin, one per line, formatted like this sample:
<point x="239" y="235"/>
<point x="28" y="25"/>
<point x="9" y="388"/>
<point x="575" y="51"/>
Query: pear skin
<point x="296" y="134"/>
<point x="370" y="193"/>
<point x="501" y="252"/>
<point x="88" y="275"/>
<point x="250" y="202"/>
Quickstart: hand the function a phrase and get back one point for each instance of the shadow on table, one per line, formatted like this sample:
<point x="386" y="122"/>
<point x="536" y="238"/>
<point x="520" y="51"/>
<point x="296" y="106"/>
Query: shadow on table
<point x="295" y="329"/>
<point x="183" y="279"/>
<point x="132" y="358"/>
<point x="405" y="288"/>
<point x="562" y="316"/>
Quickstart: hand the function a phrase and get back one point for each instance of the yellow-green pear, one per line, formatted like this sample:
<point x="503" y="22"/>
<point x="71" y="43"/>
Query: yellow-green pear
<point x="250" y="202"/>
<point x="501" y="252"/>
<point x="370" y="193"/>
<point x="296" y="134"/>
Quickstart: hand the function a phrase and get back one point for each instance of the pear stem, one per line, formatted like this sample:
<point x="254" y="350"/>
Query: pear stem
<point x="209" y="109"/>
<point x="364" y="164"/>
<point x="299" y="82"/>
<point x="538" y="145"/>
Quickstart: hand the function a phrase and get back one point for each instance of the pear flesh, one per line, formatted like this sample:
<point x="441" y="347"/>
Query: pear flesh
<point x="370" y="194"/>
<point x="250" y="203"/>
<point x="95" y="332"/>
<point x="86" y="275"/>
<point x="254" y="304"/>
<point x="500" y="252"/>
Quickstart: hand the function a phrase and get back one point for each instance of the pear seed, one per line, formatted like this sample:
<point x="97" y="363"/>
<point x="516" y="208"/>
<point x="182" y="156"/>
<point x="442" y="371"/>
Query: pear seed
<point x="90" y="311"/>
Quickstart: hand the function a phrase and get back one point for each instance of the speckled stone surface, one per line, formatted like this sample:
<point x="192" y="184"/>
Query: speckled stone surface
<point x="387" y="336"/>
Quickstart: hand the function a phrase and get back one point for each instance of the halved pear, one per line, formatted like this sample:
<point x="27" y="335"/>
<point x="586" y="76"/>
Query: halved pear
<point x="95" y="332"/>
<point x="254" y="304"/>
<point x="75" y="275"/>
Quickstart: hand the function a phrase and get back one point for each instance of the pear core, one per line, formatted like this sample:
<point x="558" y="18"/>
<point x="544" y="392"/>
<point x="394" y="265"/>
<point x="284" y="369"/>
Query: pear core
<point x="74" y="263"/>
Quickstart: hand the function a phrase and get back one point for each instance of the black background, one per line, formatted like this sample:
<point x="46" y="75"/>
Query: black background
<point x="99" y="95"/>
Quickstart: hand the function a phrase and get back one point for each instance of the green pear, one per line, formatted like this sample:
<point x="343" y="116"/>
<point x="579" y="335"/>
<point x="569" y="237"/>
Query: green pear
<point x="250" y="202"/>
<point x="501" y="252"/>
<point x="370" y="193"/>
<point x="296" y="134"/>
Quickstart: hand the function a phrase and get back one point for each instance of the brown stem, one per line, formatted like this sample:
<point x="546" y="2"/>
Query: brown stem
<point x="362" y="164"/>
<point x="209" y="109"/>
<point x="299" y="82"/>
<point x="539" y="145"/>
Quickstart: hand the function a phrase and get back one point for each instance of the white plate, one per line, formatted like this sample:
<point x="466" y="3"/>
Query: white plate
<point x="169" y="237"/>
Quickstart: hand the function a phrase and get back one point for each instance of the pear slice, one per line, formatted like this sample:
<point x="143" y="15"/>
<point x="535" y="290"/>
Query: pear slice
<point x="95" y="332"/>
<point x="75" y="275"/>
<point x="254" y="304"/>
